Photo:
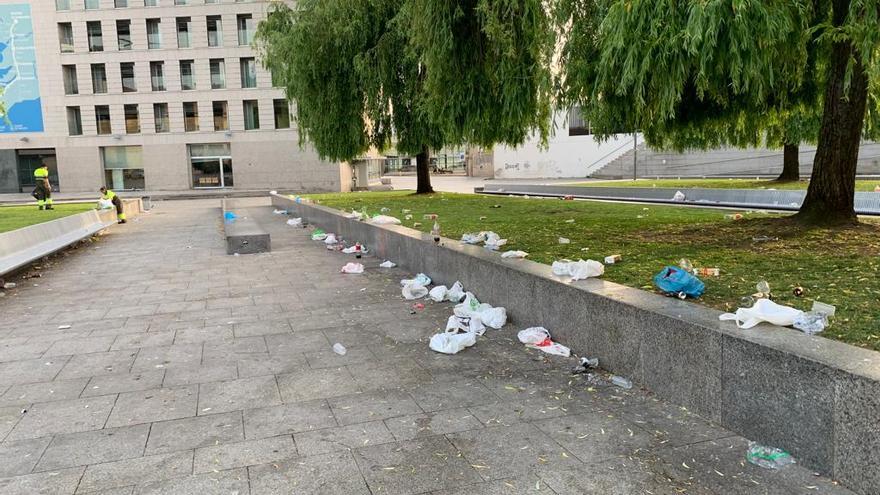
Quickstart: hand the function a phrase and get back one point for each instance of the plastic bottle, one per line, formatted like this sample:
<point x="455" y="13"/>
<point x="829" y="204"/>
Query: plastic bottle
<point x="339" y="349"/>
<point x="746" y="302"/>
<point x="621" y="382"/>
<point x="435" y="231"/>
<point x="686" y="265"/>
<point x="763" y="287"/>
<point x="768" y="457"/>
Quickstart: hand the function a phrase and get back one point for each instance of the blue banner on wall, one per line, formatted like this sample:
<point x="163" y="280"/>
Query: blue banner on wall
<point x="20" y="109"/>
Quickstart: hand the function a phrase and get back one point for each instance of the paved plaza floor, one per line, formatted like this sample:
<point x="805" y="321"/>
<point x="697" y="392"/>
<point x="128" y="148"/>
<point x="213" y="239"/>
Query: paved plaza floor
<point x="187" y="371"/>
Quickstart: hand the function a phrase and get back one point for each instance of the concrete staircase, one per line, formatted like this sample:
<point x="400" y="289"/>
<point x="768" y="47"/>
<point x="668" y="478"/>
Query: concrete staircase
<point x="724" y="162"/>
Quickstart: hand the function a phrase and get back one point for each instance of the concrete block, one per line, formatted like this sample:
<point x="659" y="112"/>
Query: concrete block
<point x="857" y="433"/>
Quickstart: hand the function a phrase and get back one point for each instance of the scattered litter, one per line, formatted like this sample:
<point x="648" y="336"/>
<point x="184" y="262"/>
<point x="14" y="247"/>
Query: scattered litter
<point x="734" y="216"/>
<point x="229" y="217"/>
<point x="578" y="270"/>
<point x="319" y="235"/>
<point x="407" y="217"/>
<point x="385" y="210"/>
<point x="417" y="225"/>
<point x="455" y="293"/>
<point x="339" y="349"/>
<point x="355" y="215"/>
<point x="768" y="457"/>
<point x="811" y="322"/>
<point x="798" y="291"/>
<point x="614" y="258"/>
<point x="708" y="272"/>
<point x="820" y="307"/>
<point x="330" y="239"/>
<point x="435" y="231"/>
<point x="483" y="218"/>
<point x="568" y="197"/>
<point x="621" y="382"/>
<point x="494" y="241"/>
<point x="487" y="314"/>
<point x="384" y="220"/>
<point x="675" y="281"/>
<point x="418" y="307"/>
<point x="496" y="206"/>
<point x="564" y="240"/>
<point x="539" y="338"/>
<point x="63" y="327"/>
<point x="686" y="265"/>
<point x="764" y="238"/>
<point x="429" y="216"/>
<point x="452" y="343"/>
<point x="678" y="196"/>
<point x="763" y="288"/>
<point x="236" y="254"/>
<point x="420" y="279"/>
<point x="465" y="324"/>
<point x="405" y="210"/>
<point x="9" y="285"/>
<point x="585" y="365"/>
<point x="387" y="264"/>
<point x="280" y="212"/>
<point x="358" y="249"/>
<point x="763" y="310"/>
<point x="414" y="290"/>
<point x="353" y="268"/>
<point x="514" y="254"/>
<point x="438" y="294"/>
<point x="570" y="220"/>
<point x="295" y="222"/>
<point x="474" y="238"/>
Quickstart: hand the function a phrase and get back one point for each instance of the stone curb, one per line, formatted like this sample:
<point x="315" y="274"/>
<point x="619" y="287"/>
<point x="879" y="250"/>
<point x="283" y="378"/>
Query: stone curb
<point x="817" y="398"/>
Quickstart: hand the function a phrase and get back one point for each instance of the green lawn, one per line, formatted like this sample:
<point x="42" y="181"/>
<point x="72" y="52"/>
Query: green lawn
<point x="16" y="217"/>
<point x="861" y="185"/>
<point x="836" y="266"/>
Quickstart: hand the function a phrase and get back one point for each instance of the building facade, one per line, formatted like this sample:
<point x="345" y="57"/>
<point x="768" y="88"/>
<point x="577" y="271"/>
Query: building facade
<point x="156" y="95"/>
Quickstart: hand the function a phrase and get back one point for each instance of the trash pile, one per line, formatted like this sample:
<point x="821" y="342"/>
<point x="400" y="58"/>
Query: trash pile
<point x="539" y="338"/>
<point x="764" y="310"/>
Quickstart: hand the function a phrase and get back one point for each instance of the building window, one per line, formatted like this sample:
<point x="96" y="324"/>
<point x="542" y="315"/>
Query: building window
<point x="154" y="35"/>
<point x="160" y="116"/>
<point x="96" y="38"/>
<point x="221" y="116"/>
<point x="71" y="87"/>
<point x="183" y="29"/>
<point x="248" y="68"/>
<point x="181" y="2"/>
<point x="576" y="124"/>
<point x="102" y="119"/>
<point x="123" y="167"/>
<point x="218" y="73"/>
<point x="92" y="4"/>
<point x="65" y="37"/>
<point x="282" y="114"/>
<point x="187" y="76"/>
<point x="215" y="30"/>
<point x="211" y="165"/>
<point x="62" y="4"/>
<point x="132" y="119"/>
<point x="157" y="76"/>
<point x="120" y="4"/>
<point x="123" y="34"/>
<point x="245" y="29"/>
<point x="126" y="69"/>
<point x="74" y="121"/>
<point x="212" y="1"/>
<point x="190" y="116"/>
<point x="151" y="3"/>
<point x="251" y="114"/>
<point x="99" y="79"/>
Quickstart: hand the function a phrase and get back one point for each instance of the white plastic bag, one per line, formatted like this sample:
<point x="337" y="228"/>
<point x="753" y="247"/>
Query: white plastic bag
<point x="581" y="269"/>
<point x="295" y="222"/>
<point x="455" y="293"/>
<point x="280" y="212"/>
<point x="355" y="215"/>
<point x="438" y="294"/>
<point x="560" y="268"/>
<point x="384" y="220"/>
<point x="420" y="279"/>
<point x="452" y="343"/>
<point x="678" y="196"/>
<point x="514" y="254"/>
<point x="387" y="264"/>
<point x="350" y="250"/>
<point x="485" y="313"/>
<point x="564" y="240"/>
<point x="473" y="238"/>
<point x="330" y="239"/>
<point x="494" y="241"/>
<point x="465" y="324"/>
<point x="414" y="291"/>
<point x="353" y="268"/>
<point x="105" y="204"/>
<point x="763" y="310"/>
<point x="539" y="338"/>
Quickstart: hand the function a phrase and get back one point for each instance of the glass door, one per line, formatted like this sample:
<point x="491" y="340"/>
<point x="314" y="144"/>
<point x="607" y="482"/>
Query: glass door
<point x="227" y="172"/>
<point x="211" y="165"/>
<point x="206" y="172"/>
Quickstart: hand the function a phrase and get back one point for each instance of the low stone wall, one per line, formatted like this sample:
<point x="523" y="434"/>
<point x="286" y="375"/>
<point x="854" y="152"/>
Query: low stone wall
<point x="243" y="235"/>
<point x="22" y="247"/>
<point x="817" y="398"/>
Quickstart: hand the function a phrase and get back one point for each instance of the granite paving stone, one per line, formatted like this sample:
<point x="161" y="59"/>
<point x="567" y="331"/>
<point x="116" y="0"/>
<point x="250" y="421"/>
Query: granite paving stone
<point x="342" y="438"/>
<point x="235" y="395"/>
<point x="20" y="456"/>
<point x="326" y="474"/>
<point x="93" y="447"/>
<point x="371" y="406"/>
<point x="213" y="483"/>
<point x="49" y="483"/>
<point x="123" y="382"/>
<point x="241" y="454"/>
<point x="43" y="392"/>
<point x="158" y="404"/>
<point x="287" y="419"/>
<point x="64" y="416"/>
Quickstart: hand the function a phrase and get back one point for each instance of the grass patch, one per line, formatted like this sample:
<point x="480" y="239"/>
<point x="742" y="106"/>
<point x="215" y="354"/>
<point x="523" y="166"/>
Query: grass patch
<point x="839" y="266"/>
<point x="861" y="185"/>
<point x="16" y="217"/>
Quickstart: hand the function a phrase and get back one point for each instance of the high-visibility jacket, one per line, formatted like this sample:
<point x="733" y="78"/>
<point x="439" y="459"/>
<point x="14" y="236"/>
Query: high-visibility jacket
<point x="41" y="174"/>
<point x="108" y="195"/>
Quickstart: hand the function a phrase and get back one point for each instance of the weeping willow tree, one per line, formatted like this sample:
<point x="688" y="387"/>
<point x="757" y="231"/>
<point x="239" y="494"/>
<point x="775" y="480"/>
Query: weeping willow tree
<point x="417" y="74"/>
<point x="701" y="72"/>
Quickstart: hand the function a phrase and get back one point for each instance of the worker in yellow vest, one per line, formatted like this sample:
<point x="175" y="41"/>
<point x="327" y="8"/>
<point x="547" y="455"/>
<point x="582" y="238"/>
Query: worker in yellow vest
<point x="108" y="195"/>
<point x="43" y="190"/>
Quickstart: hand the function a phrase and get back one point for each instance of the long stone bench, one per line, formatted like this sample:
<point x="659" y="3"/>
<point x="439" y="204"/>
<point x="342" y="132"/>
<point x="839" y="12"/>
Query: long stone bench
<point x="21" y="247"/>
<point x="243" y="234"/>
<point x="817" y="398"/>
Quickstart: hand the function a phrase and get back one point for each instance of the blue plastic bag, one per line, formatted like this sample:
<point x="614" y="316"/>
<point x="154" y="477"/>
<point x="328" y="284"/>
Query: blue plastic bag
<point x="674" y="281"/>
<point x="229" y="217"/>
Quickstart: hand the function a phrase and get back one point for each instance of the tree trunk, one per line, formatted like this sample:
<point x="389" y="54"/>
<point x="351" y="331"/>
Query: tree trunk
<point x="830" y="195"/>
<point x="423" y="172"/>
<point x="791" y="166"/>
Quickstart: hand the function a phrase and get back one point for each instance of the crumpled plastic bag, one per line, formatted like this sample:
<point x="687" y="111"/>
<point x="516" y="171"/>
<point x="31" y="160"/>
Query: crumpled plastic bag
<point x="452" y="343"/>
<point x="494" y="241"/>
<point x="678" y="196"/>
<point x="384" y="220"/>
<point x="330" y="239"/>
<point x="514" y="254"/>
<point x="455" y="293"/>
<point x="674" y="280"/>
<point x="438" y="294"/>
<point x="539" y="338"/>
<point x="473" y="238"/>
<point x="763" y="310"/>
<point x="465" y="324"/>
<point x="295" y="222"/>
<point x="105" y="204"/>
<point x="353" y="268"/>
<point x="387" y="264"/>
<point x="318" y="235"/>
<point x="280" y="212"/>
<point x="355" y="215"/>
<point x="414" y="291"/>
<point x="487" y="314"/>
<point x="578" y="270"/>
<point x="420" y="279"/>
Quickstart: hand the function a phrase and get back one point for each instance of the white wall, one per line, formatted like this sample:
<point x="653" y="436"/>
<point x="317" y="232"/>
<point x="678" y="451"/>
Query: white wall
<point x="566" y="156"/>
